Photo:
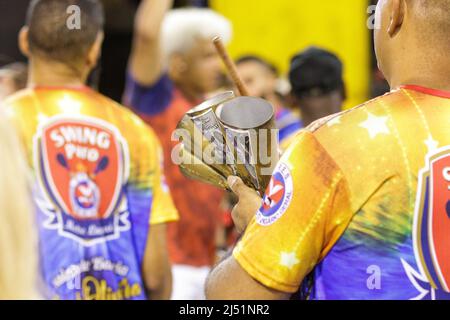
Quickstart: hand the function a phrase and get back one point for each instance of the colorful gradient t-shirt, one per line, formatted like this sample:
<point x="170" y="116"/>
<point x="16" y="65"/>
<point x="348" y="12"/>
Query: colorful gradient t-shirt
<point x="98" y="187"/>
<point x="358" y="207"/>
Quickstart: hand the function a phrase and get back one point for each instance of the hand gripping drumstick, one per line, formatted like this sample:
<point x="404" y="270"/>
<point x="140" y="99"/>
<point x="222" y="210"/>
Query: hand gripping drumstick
<point x="231" y="67"/>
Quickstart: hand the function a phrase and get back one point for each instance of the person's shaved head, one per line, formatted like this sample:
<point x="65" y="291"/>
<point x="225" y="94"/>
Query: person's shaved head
<point x="412" y="40"/>
<point x="435" y="8"/>
<point x="434" y="17"/>
<point x="51" y="35"/>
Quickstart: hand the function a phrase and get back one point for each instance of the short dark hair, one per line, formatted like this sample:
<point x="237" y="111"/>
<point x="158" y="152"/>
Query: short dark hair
<point x="315" y="72"/>
<point x="50" y="35"/>
<point x="253" y="58"/>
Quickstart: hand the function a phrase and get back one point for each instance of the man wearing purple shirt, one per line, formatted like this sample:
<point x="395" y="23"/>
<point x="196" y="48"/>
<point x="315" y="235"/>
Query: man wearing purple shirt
<point x="173" y="66"/>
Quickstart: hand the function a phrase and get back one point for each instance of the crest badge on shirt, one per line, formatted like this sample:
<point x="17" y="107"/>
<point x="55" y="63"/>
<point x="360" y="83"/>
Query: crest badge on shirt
<point x="278" y="196"/>
<point x="82" y="167"/>
<point x="430" y="230"/>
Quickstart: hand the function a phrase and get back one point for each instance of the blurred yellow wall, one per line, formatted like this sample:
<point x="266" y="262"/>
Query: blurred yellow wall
<point x="277" y="29"/>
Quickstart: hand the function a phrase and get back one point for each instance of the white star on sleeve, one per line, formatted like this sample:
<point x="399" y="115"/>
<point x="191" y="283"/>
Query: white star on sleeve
<point x="375" y="125"/>
<point x="67" y="104"/>
<point x="288" y="259"/>
<point x="431" y="144"/>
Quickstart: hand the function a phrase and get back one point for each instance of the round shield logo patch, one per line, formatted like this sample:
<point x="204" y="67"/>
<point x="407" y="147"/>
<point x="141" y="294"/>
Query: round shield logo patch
<point x="278" y="196"/>
<point x="83" y="167"/>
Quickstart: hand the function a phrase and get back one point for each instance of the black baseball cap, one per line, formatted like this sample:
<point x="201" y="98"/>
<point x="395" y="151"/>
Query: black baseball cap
<point x="315" y="72"/>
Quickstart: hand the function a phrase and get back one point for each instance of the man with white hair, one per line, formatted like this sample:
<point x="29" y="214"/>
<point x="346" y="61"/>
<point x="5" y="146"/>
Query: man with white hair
<point x="173" y="66"/>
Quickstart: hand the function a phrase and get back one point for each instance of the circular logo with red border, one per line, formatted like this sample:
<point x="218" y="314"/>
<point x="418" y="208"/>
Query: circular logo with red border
<point x="278" y="196"/>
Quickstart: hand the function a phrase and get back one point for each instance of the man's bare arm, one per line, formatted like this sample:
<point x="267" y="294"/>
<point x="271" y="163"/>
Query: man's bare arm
<point x="156" y="267"/>
<point x="229" y="281"/>
<point x="146" y="65"/>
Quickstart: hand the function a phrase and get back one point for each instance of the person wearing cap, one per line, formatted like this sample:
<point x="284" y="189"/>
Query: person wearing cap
<point x="317" y="86"/>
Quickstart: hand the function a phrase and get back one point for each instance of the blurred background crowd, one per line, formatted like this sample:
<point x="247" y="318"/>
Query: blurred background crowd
<point x="272" y="30"/>
<point x="308" y="58"/>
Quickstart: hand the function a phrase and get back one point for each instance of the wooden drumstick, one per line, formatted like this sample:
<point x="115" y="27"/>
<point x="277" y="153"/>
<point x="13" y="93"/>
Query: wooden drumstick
<point x="231" y="66"/>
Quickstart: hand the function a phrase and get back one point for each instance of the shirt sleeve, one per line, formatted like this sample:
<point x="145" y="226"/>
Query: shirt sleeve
<point x="163" y="208"/>
<point x="305" y="210"/>
<point x="148" y="178"/>
<point x="148" y="100"/>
